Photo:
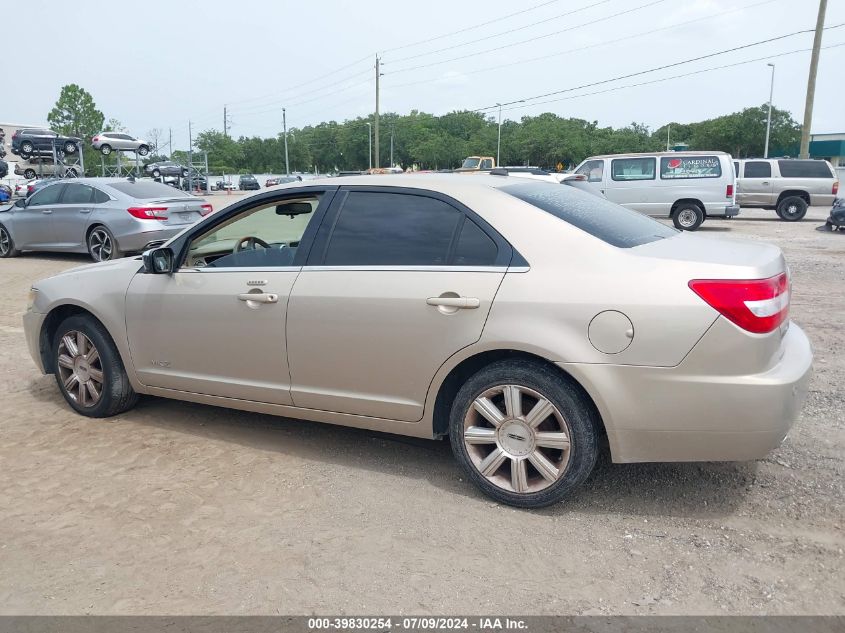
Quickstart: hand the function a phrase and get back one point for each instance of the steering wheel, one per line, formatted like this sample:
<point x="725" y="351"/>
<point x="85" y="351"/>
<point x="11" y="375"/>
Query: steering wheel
<point x="249" y="242"/>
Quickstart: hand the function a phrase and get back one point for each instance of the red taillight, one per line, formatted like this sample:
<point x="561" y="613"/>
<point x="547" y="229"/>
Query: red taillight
<point x="95" y="139"/>
<point x="835" y="187"/>
<point x="729" y="191"/>
<point x="148" y="213"/>
<point x="206" y="209"/>
<point x="756" y="305"/>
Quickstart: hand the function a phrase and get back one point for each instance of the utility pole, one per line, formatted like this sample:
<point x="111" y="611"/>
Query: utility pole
<point x="668" y="132"/>
<point x="769" y="118"/>
<point x="378" y="74"/>
<point x="811" y="82"/>
<point x="285" y="128"/>
<point x="499" y="139"/>
<point x="391" y="147"/>
<point x="190" y="158"/>
<point x="170" y="142"/>
<point x="225" y="123"/>
<point x="370" y="137"/>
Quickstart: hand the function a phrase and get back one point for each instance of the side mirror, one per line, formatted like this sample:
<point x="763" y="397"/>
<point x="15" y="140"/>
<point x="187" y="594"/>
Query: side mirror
<point x="20" y="203"/>
<point x="158" y="261"/>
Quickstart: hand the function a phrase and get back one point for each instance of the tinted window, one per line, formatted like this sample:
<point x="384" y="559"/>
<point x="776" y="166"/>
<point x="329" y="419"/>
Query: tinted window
<point x="391" y="229"/>
<point x="100" y="196"/>
<point x="475" y="247"/>
<point x="47" y="195"/>
<point x="673" y="168"/>
<point x="597" y="216"/>
<point x="77" y="194"/>
<point x="758" y="169"/>
<point x="632" y="168"/>
<point x="144" y="190"/>
<point x="804" y="169"/>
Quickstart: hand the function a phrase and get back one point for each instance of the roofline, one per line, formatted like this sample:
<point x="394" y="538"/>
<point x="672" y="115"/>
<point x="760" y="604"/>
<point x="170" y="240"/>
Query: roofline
<point x="694" y="152"/>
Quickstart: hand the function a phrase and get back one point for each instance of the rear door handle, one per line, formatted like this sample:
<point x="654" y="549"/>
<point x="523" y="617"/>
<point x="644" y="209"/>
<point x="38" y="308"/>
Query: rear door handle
<point x="85" y="210"/>
<point x="466" y="303"/>
<point x="46" y="211"/>
<point x="259" y="297"/>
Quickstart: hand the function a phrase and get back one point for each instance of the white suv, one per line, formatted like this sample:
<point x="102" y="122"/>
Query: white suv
<point x="105" y="142"/>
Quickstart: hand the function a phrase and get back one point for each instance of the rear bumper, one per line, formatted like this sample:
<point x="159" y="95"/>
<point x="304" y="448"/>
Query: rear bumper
<point x="682" y="414"/>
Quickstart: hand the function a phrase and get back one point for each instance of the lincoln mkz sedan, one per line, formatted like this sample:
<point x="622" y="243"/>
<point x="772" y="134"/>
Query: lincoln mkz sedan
<point x="531" y="323"/>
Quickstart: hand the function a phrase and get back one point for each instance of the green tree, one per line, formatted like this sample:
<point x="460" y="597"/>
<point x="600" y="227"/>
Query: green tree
<point x="75" y="113"/>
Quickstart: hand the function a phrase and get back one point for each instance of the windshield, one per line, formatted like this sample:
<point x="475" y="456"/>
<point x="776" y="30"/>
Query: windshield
<point x="597" y="216"/>
<point x="471" y="163"/>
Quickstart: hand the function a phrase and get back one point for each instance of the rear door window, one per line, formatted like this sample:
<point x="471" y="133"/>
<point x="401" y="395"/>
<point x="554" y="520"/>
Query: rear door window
<point x="804" y="169"/>
<point x="625" y="169"/>
<point x="597" y="216"/>
<point x="682" y="167"/>
<point x="758" y="169"/>
<point x="77" y="194"/>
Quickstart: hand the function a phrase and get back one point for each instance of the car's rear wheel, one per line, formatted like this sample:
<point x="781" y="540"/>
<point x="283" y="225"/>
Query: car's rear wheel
<point x="88" y="369"/>
<point x="105" y="150"/>
<point x="29" y="174"/>
<point x="156" y="173"/>
<point x="524" y="434"/>
<point x="792" y="208"/>
<point x="70" y="147"/>
<point x="102" y="246"/>
<point x="143" y="150"/>
<point x="7" y="244"/>
<point x="688" y="216"/>
<point x="27" y="147"/>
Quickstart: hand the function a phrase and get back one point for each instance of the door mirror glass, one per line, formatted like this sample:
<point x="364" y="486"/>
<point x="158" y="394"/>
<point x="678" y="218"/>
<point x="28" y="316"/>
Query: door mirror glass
<point x="158" y="261"/>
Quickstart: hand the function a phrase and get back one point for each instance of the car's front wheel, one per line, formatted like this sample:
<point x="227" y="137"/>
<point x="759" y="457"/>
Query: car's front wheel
<point x="7" y="244"/>
<point x="525" y="434"/>
<point x="29" y="174"/>
<point x="105" y="150"/>
<point x="70" y="147"/>
<point x="156" y="173"/>
<point x="88" y="369"/>
<point x="102" y="246"/>
<point x="143" y="150"/>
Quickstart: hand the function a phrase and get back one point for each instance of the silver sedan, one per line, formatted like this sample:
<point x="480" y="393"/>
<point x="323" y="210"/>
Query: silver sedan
<point x="105" y="217"/>
<point x="531" y="323"/>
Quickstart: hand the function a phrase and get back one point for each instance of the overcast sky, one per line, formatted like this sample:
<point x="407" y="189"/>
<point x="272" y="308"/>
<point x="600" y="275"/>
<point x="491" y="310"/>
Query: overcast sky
<point x="156" y="64"/>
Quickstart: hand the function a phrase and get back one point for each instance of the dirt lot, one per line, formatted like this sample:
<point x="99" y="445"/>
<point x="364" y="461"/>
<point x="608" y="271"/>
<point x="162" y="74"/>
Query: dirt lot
<point x="186" y="509"/>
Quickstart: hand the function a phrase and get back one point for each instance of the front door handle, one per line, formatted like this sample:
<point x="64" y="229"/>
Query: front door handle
<point x="765" y="183"/>
<point x="259" y="297"/>
<point x="460" y="303"/>
<point x="46" y="211"/>
<point x="85" y="210"/>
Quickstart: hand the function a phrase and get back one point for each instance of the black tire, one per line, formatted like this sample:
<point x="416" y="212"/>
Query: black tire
<point x="156" y="173"/>
<point x="105" y="150"/>
<point x="143" y="150"/>
<point x="102" y="247"/>
<point x="29" y="174"/>
<point x="7" y="244"/>
<point x="27" y="148"/>
<point x="115" y="392"/>
<point x="71" y="173"/>
<point x="688" y="216"/>
<point x="184" y="173"/>
<point x="70" y="147"/>
<point x="570" y="402"/>
<point x="792" y="209"/>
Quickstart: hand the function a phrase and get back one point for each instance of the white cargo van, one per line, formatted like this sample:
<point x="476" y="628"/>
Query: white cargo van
<point x="688" y="187"/>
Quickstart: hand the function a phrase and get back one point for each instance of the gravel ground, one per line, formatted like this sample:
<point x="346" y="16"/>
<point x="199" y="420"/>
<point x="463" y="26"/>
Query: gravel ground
<point x="179" y="508"/>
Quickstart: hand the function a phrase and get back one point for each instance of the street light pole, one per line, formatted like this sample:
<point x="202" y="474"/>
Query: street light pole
<point x="370" y="136"/>
<point x="769" y="118"/>
<point x="285" y="128"/>
<point x="499" y="139"/>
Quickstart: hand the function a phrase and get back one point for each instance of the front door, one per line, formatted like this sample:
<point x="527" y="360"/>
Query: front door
<point x="217" y="325"/>
<point x="396" y="284"/>
<point x="33" y="224"/>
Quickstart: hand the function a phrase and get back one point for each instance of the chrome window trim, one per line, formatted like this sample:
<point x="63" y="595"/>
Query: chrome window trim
<point x="422" y="269"/>
<point x="234" y="269"/>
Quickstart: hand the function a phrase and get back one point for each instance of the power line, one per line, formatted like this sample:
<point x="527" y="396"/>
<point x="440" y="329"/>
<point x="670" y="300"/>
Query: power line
<point x="471" y="28"/>
<point x="529" y="40"/>
<point x="501" y="33"/>
<point x="591" y="46"/>
<point x="651" y="70"/>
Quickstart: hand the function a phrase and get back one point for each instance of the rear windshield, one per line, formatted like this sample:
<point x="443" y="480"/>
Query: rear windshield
<point x="600" y="218"/>
<point x="804" y="169"/>
<point x="148" y="190"/>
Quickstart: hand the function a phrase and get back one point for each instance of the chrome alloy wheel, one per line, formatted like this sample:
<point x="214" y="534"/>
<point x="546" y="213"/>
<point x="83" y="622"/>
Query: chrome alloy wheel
<point x="5" y="241"/>
<point x="100" y="245"/>
<point x="517" y="439"/>
<point x="687" y="217"/>
<point x="80" y="368"/>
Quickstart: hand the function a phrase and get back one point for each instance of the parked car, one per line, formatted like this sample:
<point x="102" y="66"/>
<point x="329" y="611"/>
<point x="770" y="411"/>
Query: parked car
<point x="281" y="180"/>
<point x="527" y="321"/>
<point x="247" y="182"/>
<point x="41" y="167"/>
<point x="20" y="189"/>
<point x="787" y="185"/>
<point x="226" y="185"/>
<point x="166" y="168"/>
<point x="687" y="187"/>
<point x="105" y="217"/>
<point x="106" y="142"/>
<point x="4" y="169"/>
<point x="198" y="182"/>
<point x="5" y="193"/>
<point x="36" y="141"/>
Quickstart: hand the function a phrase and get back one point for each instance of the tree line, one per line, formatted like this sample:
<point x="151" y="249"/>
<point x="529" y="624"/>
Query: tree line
<point x="427" y="141"/>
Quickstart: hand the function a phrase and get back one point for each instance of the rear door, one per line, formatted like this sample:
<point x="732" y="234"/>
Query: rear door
<point x="755" y="185"/>
<point x="398" y="280"/>
<point x="70" y="215"/>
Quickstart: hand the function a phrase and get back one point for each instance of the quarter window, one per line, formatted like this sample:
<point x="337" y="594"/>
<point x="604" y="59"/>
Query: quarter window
<point x="758" y="169"/>
<point x="632" y="169"/>
<point x="475" y="247"/>
<point x="390" y="229"/>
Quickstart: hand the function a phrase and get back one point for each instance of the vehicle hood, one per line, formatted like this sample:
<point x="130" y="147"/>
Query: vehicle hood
<point x="132" y="263"/>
